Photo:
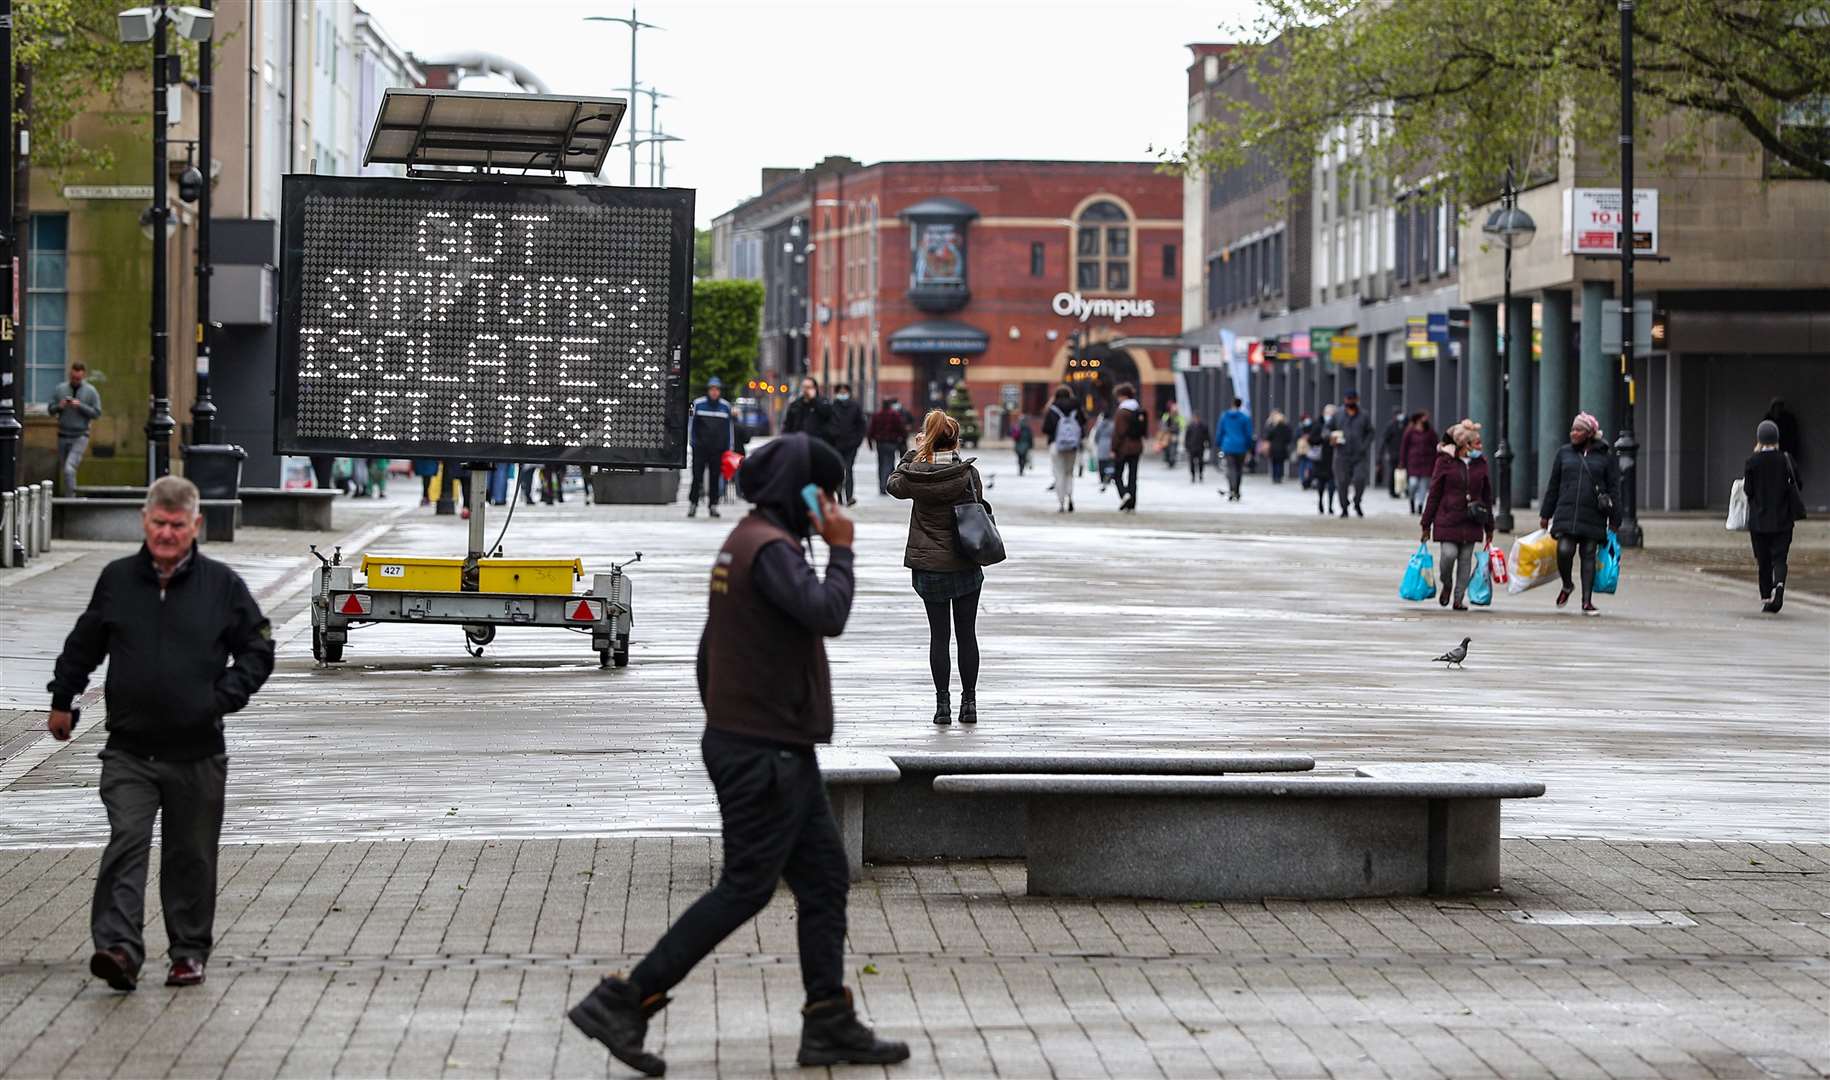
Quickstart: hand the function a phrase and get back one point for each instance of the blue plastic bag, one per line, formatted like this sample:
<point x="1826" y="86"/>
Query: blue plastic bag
<point x="1607" y="565"/>
<point x="1480" y="589"/>
<point x="1419" y="576"/>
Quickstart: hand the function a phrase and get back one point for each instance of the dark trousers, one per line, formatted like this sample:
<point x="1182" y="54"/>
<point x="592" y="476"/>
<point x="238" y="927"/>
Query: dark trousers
<point x="1568" y="547"/>
<point x="187" y="796"/>
<point x="1277" y="468"/>
<point x="1125" y="473"/>
<point x="850" y="454"/>
<point x="1235" y="470"/>
<point x="777" y="826"/>
<point x="1197" y="467"/>
<point x="887" y="458"/>
<point x="1770" y="550"/>
<point x="708" y="476"/>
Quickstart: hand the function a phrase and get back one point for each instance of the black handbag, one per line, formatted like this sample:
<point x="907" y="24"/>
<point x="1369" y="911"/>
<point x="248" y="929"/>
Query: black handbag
<point x="974" y="532"/>
<point x="1603" y="500"/>
<point x="1478" y="512"/>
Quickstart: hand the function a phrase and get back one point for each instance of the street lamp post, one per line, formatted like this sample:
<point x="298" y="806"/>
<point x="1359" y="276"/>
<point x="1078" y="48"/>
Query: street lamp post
<point x="1513" y="228"/>
<point x="10" y="427"/>
<point x="1627" y="446"/>
<point x="149" y="24"/>
<point x="203" y="409"/>
<point x="635" y="25"/>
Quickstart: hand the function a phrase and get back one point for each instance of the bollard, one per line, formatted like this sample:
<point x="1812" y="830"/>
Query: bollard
<point x="6" y="528"/>
<point x="26" y="511"/>
<point x="45" y="491"/>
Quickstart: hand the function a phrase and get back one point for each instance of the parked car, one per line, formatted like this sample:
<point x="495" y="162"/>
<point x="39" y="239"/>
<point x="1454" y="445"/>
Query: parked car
<point x="753" y="415"/>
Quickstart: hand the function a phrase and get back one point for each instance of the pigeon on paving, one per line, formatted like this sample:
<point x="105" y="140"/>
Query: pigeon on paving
<point x="1456" y="655"/>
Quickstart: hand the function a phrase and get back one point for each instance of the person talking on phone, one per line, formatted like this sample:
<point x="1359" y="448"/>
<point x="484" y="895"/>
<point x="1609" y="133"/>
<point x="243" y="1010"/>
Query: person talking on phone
<point x="767" y="693"/>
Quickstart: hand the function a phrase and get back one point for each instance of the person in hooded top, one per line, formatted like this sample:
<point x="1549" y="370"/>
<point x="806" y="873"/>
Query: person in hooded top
<point x="936" y="479"/>
<point x="767" y="692"/>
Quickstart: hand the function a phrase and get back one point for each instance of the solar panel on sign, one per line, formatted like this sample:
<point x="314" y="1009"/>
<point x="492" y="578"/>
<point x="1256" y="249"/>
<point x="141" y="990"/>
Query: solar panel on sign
<point x="494" y="130"/>
<point x="484" y="321"/>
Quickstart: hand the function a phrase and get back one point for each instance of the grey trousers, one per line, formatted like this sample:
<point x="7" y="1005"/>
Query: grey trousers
<point x="188" y="796"/>
<point x="1456" y="562"/>
<point x="70" y="450"/>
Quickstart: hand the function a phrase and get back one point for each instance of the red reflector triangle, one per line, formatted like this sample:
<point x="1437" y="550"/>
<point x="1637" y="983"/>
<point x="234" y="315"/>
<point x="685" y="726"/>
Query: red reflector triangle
<point x="583" y="612"/>
<point x="352" y="605"/>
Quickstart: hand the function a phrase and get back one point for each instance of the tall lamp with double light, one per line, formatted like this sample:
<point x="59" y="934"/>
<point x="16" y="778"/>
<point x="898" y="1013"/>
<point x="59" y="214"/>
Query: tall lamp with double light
<point x="1513" y="229"/>
<point x="149" y="24"/>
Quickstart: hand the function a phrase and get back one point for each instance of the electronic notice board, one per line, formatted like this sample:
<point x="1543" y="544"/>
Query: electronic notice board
<point x="484" y="321"/>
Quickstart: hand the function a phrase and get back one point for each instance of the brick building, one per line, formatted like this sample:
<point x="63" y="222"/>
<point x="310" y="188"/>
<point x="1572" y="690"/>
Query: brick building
<point x="927" y="274"/>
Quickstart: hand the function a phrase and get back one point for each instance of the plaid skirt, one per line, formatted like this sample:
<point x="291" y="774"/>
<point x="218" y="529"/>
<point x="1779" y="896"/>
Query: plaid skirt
<point x="943" y="586"/>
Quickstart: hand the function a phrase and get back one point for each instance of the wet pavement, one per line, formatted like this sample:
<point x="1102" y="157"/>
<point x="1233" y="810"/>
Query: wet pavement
<point x="1197" y="624"/>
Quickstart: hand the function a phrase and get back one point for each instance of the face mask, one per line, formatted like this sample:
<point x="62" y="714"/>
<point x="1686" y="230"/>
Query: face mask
<point x="1472" y="454"/>
<point x="841" y="397"/>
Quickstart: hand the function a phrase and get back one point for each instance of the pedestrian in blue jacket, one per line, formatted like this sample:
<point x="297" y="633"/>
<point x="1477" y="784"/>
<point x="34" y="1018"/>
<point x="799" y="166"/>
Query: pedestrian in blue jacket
<point x="1235" y="444"/>
<point x="711" y="431"/>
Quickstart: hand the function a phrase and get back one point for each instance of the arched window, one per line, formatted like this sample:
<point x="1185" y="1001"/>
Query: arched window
<point x="1102" y="249"/>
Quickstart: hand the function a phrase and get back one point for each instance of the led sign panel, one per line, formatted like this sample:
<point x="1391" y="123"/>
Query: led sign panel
<point x="484" y="321"/>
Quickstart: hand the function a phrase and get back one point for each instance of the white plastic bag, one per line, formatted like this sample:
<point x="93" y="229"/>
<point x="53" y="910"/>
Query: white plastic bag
<point x="1737" y="507"/>
<point x="1534" y="561"/>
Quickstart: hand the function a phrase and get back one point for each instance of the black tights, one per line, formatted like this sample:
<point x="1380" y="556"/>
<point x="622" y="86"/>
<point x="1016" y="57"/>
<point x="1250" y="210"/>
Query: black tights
<point x="965" y="611"/>
<point x="1566" y="555"/>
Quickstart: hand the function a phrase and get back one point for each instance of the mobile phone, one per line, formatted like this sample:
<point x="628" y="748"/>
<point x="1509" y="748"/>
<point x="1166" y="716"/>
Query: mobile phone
<point x="811" y="496"/>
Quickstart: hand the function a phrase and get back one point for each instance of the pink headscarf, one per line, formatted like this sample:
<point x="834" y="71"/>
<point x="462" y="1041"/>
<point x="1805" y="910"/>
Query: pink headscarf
<point x="1587" y="420"/>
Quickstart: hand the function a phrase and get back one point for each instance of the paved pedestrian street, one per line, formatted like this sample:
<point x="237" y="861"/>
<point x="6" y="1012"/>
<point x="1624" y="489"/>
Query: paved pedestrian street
<point x="428" y="856"/>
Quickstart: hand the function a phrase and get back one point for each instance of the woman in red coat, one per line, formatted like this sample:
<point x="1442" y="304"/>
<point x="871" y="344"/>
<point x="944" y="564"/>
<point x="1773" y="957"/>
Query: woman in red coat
<point x="1459" y="511"/>
<point x="1417" y="455"/>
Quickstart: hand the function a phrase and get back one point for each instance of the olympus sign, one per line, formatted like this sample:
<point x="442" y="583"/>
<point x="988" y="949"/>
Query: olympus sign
<point x="1075" y="306"/>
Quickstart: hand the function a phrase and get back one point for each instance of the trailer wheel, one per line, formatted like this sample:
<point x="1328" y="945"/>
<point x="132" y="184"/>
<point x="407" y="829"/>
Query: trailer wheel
<point x="603" y="658"/>
<point x="621" y="657"/>
<point x="322" y="651"/>
<point x="480" y="634"/>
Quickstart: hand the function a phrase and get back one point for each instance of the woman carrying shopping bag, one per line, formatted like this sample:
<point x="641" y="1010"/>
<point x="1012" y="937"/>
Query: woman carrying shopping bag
<point x="1459" y="511"/>
<point x="936" y="479"/>
<point x="1581" y="503"/>
<point x="1774" y="503"/>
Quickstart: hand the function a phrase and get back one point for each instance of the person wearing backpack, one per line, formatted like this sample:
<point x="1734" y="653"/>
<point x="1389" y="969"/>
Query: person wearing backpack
<point x="1130" y="423"/>
<point x="1774" y="503"/>
<point x="1064" y="425"/>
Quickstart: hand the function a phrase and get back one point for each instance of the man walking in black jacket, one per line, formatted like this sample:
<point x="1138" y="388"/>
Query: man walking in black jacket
<point x="187" y="645"/>
<point x="848" y="428"/>
<point x="810" y="413"/>
<point x="769" y="612"/>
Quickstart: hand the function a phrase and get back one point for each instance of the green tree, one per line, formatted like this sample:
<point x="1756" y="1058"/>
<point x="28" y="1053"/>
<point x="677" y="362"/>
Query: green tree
<point x="727" y="332"/>
<point x="959" y="407"/>
<point x="702" y="253"/>
<point x="1460" y="88"/>
<point x="75" y="61"/>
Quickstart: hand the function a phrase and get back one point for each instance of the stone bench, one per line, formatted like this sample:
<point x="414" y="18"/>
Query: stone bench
<point x="105" y="518"/>
<point x="303" y="509"/>
<point x="848" y="774"/>
<point x="906" y="820"/>
<point x="1408" y="831"/>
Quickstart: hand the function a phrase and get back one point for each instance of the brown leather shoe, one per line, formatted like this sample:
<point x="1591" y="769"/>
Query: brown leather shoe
<point x="114" y="967"/>
<point x="185" y="972"/>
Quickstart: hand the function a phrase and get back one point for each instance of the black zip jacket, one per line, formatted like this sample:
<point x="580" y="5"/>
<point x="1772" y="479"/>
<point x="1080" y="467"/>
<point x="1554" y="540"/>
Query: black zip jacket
<point x="179" y="659"/>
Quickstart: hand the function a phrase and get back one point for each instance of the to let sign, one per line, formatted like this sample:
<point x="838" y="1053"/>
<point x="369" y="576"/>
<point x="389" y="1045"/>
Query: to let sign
<point x="1592" y="219"/>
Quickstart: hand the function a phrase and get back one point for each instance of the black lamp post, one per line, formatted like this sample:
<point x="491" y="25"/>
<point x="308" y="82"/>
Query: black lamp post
<point x="1627" y="446"/>
<point x="149" y="24"/>
<point x="10" y="427"/>
<point x="203" y="409"/>
<point x="1513" y="228"/>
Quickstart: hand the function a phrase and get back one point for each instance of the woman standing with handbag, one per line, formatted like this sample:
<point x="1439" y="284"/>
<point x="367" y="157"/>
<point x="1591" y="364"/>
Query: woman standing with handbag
<point x="935" y="478"/>
<point x="1581" y="503"/>
<point x="1774" y="503"/>
<point x="1459" y="511"/>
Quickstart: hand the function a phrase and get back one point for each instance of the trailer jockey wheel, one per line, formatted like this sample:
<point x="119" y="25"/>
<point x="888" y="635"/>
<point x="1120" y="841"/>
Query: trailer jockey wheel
<point x="480" y="635"/>
<point x="321" y="651"/>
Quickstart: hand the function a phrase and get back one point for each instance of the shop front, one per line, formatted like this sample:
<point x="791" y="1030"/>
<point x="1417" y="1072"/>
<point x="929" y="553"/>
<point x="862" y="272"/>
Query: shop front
<point x="939" y="353"/>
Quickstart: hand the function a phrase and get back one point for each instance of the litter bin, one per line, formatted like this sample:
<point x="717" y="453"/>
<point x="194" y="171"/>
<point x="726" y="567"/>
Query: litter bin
<point x="215" y="469"/>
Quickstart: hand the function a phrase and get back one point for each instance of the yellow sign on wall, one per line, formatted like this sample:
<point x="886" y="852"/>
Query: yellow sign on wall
<point x="1344" y="350"/>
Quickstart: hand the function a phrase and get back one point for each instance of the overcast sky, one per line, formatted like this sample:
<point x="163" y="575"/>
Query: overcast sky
<point x="772" y="83"/>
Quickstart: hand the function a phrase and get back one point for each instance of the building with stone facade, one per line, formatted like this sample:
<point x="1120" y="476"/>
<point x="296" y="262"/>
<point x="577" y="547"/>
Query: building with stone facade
<point x="1389" y="289"/>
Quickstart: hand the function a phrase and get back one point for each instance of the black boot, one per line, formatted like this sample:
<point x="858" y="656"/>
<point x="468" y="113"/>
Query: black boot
<point x="616" y="1014"/>
<point x="692" y="509"/>
<point x="1771" y="607"/>
<point x="969" y="706"/>
<point x="832" y="1034"/>
<point x="943" y="708"/>
<point x="712" y="509"/>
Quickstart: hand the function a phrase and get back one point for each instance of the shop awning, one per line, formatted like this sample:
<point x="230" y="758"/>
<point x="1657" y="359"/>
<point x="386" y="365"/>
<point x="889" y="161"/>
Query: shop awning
<point x="939" y="335"/>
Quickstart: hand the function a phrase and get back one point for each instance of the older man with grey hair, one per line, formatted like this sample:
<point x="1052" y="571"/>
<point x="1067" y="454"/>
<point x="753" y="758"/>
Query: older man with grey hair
<point x="186" y="646"/>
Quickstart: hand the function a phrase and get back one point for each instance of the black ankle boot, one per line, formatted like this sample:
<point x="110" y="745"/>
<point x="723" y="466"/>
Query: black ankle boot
<point x="1771" y="607"/>
<point x="943" y="706"/>
<point x="968" y="707"/>
<point x="832" y="1034"/>
<point x="615" y="1014"/>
